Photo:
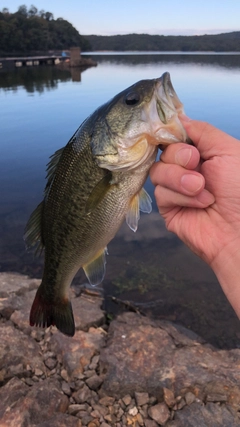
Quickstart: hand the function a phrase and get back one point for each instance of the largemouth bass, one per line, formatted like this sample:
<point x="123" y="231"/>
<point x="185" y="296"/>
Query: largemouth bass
<point x="94" y="183"/>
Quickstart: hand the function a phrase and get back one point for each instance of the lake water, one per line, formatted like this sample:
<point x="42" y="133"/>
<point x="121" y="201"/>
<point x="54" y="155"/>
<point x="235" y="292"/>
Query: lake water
<point x="40" y="108"/>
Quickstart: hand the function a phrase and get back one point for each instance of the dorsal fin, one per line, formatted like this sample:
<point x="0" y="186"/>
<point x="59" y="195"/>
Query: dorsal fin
<point x="33" y="230"/>
<point x="51" y="167"/>
<point x="55" y="158"/>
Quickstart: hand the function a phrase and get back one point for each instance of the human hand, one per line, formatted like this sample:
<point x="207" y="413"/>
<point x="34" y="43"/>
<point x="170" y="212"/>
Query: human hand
<point x="198" y="194"/>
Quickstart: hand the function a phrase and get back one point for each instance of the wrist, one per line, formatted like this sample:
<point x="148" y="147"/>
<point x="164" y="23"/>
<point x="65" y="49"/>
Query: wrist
<point x="226" y="266"/>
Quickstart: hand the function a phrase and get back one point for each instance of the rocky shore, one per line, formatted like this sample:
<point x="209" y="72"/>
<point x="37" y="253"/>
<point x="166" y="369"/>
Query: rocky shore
<point x="133" y="372"/>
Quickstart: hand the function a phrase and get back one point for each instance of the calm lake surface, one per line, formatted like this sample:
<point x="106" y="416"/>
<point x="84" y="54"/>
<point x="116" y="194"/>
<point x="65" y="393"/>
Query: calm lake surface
<point x="40" y="109"/>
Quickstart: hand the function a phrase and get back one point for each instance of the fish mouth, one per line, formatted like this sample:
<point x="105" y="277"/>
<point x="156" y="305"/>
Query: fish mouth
<point x="172" y="99"/>
<point x="164" y="114"/>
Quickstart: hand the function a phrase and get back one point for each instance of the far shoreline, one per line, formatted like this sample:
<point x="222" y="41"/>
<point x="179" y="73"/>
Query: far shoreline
<point x="148" y="52"/>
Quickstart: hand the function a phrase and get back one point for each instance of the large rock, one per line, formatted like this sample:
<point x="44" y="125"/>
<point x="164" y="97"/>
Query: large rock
<point x="17" y="294"/>
<point x="87" y="312"/>
<point x="19" y="354"/>
<point x="199" y="415"/>
<point x="20" y="315"/>
<point x="10" y="393"/>
<point x="61" y="420"/>
<point x="76" y="353"/>
<point x="16" y="284"/>
<point x="37" y="404"/>
<point x="14" y="293"/>
<point x="143" y="355"/>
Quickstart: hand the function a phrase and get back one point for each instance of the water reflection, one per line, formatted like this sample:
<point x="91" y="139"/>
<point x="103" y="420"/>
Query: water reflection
<point x="220" y="60"/>
<point x="43" y="78"/>
<point x="34" y="79"/>
<point x="38" y="79"/>
<point x="151" y="265"/>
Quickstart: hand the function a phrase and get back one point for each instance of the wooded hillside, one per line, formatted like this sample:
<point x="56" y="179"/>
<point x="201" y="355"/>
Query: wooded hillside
<point x="31" y="30"/>
<point x="144" y="42"/>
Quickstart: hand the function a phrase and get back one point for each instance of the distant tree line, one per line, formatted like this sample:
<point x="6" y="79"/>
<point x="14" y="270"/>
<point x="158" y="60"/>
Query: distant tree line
<point x="144" y="42"/>
<point x="30" y="30"/>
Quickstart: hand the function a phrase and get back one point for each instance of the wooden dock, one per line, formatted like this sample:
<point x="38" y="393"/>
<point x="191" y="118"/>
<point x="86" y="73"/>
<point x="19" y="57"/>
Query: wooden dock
<point x="73" y="60"/>
<point x="30" y="61"/>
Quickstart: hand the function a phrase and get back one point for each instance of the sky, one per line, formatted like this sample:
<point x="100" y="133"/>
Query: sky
<point x="167" y="17"/>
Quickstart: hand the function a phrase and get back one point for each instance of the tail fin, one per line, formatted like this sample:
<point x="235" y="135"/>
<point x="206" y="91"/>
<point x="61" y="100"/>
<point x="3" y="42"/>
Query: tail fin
<point x="59" y="313"/>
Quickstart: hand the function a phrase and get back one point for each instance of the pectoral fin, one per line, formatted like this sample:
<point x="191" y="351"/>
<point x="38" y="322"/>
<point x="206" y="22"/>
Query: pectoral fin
<point x="95" y="269"/>
<point x="140" y="202"/>
<point x="98" y="192"/>
<point x="145" y="201"/>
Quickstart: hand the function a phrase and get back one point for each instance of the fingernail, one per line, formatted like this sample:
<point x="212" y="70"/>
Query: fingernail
<point x="192" y="183"/>
<point x="184" y="118"/>
<point x="183" y="156"/>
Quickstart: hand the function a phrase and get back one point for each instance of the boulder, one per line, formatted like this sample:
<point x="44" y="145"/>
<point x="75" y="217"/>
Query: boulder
<point x="147" y="356"/>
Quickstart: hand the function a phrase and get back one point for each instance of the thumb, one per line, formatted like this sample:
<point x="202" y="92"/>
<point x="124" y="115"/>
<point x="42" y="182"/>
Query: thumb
<point x="209" y="140"/>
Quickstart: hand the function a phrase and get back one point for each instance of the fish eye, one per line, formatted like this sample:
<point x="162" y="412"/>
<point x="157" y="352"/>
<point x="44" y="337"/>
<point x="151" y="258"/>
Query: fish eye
<point x="132" y="98"/>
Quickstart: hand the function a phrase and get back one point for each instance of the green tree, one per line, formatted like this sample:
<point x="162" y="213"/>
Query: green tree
<point x="32" y="11"/>
<point x="26" y="31"/>
<point x="22" y="10"/>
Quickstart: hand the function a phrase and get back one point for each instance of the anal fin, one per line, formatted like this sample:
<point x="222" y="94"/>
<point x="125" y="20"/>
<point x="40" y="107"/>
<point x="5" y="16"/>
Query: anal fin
<point x="95" y="269"/>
